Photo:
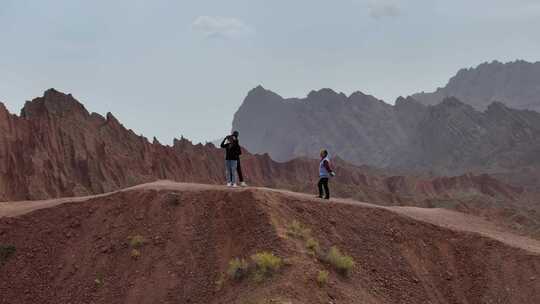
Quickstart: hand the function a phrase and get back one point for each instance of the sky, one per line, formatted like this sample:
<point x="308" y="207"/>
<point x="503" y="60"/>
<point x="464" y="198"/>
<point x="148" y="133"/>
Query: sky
<point x="169" y="68"/>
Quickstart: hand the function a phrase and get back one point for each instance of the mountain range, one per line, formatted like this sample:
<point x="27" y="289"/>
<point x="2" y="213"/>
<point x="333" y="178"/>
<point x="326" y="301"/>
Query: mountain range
<point x="91" y="212"/>
<point x="56" y="148"/>
<point x="516" y="84"/>
<point x="447" y="138"/>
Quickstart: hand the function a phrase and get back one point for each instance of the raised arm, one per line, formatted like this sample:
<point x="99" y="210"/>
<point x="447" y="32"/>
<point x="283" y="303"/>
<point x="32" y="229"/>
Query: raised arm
<point x="223" y="144"/>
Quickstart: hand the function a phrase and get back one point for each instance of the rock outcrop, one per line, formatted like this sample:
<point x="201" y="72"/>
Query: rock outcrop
<point x="516" y="84"/>
<point x="450" y="138"/>
<point x="56" y="148"/>
<point x="289" y="128"/>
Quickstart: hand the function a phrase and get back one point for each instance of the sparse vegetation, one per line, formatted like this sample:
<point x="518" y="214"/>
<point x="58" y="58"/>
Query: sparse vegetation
<point x="135" y="254"/>
<point x="263" y="264"/>
<point x="220" y="281"/>
<point x="341" y="262"/>
<point x="136" y="241"/>
<point x="322" y="277"/>
<point x="266" y="264"/>
<point x="6" y="251"/>
<point x="312" y="245"/>
<point x="100" y="280"/>
<point x="238" y="269"/>
<point x="297" y="230"/>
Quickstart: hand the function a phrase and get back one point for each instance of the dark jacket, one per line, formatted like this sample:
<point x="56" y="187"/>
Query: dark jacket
<point x="232" y="149"/>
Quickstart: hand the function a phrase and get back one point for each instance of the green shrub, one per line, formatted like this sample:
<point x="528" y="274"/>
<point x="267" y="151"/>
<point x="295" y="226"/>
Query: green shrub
<point x="135" y="254"/>
<point x="220" y="281"/>
<point x="266" y="264"/>
<point x="238" y="269"/>
<point x="297" y="230"/>
<point x="136" y="241"/>
<point x="312" y="245"/>
<point x="342" y="263"/>
<point x="6" y="251"/>
<point x="100" y="280"/>
<point x="322" y="277"/>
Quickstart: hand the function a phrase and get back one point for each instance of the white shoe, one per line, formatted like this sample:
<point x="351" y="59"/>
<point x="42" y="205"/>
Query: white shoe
<point x="229" y="184"/>
<point x="243" y="184"/>
<point x="234" y="185"/>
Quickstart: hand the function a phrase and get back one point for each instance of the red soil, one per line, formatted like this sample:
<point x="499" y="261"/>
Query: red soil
<point x="403" y="255"/>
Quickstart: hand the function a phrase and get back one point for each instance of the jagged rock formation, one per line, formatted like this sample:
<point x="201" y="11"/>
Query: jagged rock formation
<point x="450" y="138"/>
<point x="516" y="84"/>
<point x="453" y="137"/>
<point x="57" y="148"/>
<point x="289" y="128"/>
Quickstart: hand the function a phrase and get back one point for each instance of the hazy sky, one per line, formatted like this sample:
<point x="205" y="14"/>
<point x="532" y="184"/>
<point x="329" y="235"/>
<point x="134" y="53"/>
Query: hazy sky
<point x="168" y="68"/>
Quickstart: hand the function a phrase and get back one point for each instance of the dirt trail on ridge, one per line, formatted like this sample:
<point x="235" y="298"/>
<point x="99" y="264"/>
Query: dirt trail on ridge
<point x="437" y="216"/>
<point x="77" y="250"/>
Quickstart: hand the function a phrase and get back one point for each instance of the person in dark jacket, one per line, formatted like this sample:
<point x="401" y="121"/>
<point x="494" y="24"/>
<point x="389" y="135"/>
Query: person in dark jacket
<point x="238" y="165"/>
<point x="325" y="172"/>
<point x="232" y="155"/>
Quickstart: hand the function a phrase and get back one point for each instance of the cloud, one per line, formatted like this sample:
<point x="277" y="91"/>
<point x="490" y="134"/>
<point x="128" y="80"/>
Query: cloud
<point x="221" y="27"/>
<point x="384" y="9"/>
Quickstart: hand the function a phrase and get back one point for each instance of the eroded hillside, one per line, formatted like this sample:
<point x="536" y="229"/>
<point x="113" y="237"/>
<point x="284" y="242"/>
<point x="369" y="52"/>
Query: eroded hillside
<point x="172" y="243"/>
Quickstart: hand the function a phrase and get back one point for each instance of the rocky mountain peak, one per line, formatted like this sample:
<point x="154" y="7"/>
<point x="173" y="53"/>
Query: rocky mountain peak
<point x="497" y="106"/>
<point x="182" y="142"/>
<point x="258" y="90"/>
<point x="3" y="108"/>
<point x="515" y="84"/>
<point x="446" y="138"/>
<point x="54" y="102"/>
<point x="260" y="95"/>
<point x="110" y="118"/>
<point x="326" y="94"/>
<point x="360" y="96"/>
<point x="4" y="117"/>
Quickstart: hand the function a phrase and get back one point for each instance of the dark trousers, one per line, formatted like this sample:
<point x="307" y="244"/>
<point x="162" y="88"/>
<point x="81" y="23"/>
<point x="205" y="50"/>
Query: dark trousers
<point x="323" y="184"/>
<point x="239" y="171"/>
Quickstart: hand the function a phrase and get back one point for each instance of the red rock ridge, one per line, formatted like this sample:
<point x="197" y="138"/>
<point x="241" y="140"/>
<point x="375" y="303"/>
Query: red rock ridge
<point x="57" y="148"/>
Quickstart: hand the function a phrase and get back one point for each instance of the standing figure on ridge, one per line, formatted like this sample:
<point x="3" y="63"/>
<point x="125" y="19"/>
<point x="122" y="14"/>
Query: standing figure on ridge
<point x="325" y="172"/>
<point x="238" y="166"/>
<point x="232" y="155"/>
